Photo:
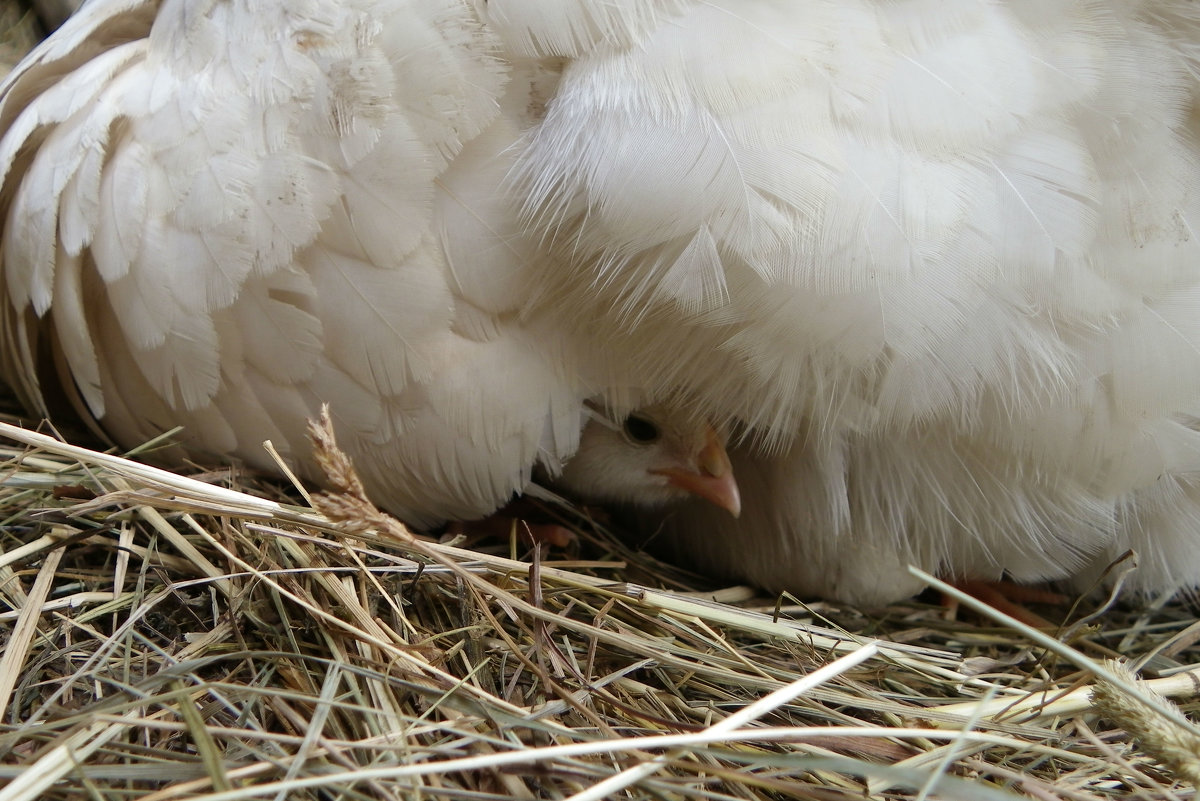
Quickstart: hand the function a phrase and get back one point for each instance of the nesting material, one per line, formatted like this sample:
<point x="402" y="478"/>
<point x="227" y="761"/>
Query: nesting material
<point x="174" y="636"/>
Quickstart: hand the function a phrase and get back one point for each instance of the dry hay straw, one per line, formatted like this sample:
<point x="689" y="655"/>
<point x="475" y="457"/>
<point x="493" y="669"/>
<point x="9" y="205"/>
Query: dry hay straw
<point x="168" y="636"/>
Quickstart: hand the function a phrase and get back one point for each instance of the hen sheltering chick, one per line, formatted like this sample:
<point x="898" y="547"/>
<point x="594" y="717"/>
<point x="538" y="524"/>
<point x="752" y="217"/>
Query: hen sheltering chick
<point x="653" y="457"/>
<point x="936" y="260"/>
<point x="939" y="259"/>
<point x="220" y="215"/>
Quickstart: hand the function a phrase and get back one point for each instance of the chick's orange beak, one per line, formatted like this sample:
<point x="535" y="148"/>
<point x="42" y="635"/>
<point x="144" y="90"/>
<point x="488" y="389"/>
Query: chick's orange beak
<point x="711" y="477"/>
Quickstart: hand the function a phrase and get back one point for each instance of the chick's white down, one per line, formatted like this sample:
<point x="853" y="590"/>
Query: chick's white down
<point x="935" y="264"/>
<point x="656" y="456"/>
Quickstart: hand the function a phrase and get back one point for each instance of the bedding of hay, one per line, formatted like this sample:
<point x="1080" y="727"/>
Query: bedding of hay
<point x="169" y="636"/>
<point x="210" y="635"/>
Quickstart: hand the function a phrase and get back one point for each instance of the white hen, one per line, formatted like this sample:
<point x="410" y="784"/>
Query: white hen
<point x="940" y="258"/>
<point x="937" y="260"/>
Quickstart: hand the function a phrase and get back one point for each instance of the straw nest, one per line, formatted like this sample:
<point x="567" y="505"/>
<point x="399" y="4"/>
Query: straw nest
<point x="180" y="636"/>
<point x="209" y="635"/>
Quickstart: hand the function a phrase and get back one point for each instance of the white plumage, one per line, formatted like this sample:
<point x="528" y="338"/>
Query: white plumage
<point x="939" y="259"/>
<point x="221" y="214"/>
<point x="936" y="262"/>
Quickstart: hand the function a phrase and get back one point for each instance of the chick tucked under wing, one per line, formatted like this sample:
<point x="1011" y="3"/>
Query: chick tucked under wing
<point x="936" y="260"/>
<point x="220" y="214"/>
<point x="940" y="259"/>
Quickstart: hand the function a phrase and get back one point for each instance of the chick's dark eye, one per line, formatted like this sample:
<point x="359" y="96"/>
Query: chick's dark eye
<point x="641" y="430"/>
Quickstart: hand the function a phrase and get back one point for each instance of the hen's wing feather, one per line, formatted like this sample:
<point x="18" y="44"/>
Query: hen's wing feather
<point x="230" y="212"/>
<point x="942" y="262"/>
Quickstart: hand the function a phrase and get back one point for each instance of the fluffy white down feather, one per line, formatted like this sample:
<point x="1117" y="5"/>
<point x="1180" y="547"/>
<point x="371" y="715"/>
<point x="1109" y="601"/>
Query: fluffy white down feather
<point x="220" y="214"/>
<point x="937" y="261"/>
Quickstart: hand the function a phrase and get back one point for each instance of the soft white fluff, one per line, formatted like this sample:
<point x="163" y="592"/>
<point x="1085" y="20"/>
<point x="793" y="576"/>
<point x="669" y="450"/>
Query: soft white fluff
<point x="938" y="261"/>
<point x="220" y="214"/>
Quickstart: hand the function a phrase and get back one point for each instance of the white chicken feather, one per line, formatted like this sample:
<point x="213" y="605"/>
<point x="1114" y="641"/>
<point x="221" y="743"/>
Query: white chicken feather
<point x="219" y="215"/>
<point x="939" y="259"/>
<point x="937" y="262"/>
